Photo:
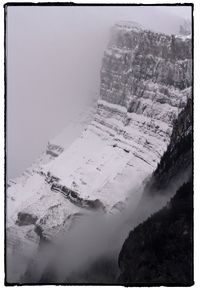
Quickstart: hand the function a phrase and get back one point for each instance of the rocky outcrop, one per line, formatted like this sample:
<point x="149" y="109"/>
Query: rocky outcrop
<point x="25" y="219"/>
<point x="141" y="65"/>
<point x="76" y="199"/>
<point x="54" y="150"/>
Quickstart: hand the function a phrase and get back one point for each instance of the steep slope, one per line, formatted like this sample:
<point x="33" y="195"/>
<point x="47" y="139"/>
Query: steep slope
<point x="160" y="250"/>
<point x="178" y="157"/>
<point x="145" y="83"/>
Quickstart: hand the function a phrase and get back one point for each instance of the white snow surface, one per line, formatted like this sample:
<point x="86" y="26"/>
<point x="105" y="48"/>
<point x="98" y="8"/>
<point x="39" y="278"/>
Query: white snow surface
<point x="113" y="154"/>
<point x="116" y="152"/>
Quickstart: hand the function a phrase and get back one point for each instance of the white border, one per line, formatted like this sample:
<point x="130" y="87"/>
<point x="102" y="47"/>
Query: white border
<point x="196" y="133"/>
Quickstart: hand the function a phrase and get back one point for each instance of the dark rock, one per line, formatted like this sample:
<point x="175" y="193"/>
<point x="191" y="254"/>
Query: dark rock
<point x="24" y="219"/>
<point x="160" y="250"/>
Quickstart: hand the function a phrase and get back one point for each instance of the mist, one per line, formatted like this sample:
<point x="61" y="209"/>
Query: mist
<point x="95" y="238"/>
<point x="53" y="64"/>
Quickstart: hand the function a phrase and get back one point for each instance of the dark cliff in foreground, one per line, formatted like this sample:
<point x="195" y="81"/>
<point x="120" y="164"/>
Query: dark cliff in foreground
<point x="159" y="251"/>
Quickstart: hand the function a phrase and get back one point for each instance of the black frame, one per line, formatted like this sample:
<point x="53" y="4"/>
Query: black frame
<point x="9" y="4"/>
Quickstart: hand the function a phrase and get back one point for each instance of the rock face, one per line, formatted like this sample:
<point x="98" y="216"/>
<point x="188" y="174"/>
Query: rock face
<point x="178" y="156"/>
<point x="160" y="250"/>
<point x="145" y="82"/>
<point x="142" y="65"/>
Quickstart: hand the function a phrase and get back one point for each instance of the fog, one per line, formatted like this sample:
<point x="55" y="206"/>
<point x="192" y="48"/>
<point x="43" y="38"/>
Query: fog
<point x="53" y="67"/>
<point x="96" y="237"/>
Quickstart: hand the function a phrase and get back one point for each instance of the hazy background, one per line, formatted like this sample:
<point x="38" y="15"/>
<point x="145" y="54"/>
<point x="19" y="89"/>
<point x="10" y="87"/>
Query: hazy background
<point x="53" y="64"/>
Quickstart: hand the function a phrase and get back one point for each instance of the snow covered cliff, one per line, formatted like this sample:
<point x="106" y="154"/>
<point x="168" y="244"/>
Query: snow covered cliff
<point x="145" y="82"/>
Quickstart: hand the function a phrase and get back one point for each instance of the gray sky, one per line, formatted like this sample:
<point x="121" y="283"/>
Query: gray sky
<point x="53" y="66"/>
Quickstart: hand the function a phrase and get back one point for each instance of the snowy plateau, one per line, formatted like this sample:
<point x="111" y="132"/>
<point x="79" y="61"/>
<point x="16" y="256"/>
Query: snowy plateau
<point x="146" y="80"/>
